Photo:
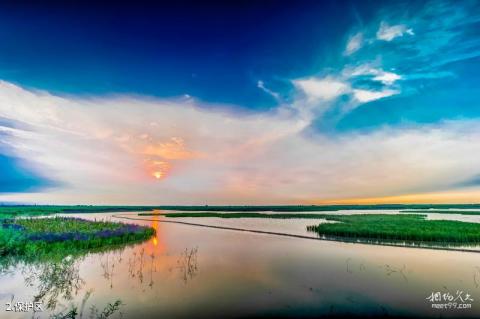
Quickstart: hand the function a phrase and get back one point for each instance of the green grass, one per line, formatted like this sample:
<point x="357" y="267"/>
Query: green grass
<point x="404" y="228"/>
<point x="433" y="211"/>
<point x="35" y="237"/>
<point x="58" y="225"/>
<point x="34" y="210"/>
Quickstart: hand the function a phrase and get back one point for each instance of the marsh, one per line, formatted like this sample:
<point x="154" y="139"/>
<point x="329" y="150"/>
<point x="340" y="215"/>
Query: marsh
<point x="227" y="273"/>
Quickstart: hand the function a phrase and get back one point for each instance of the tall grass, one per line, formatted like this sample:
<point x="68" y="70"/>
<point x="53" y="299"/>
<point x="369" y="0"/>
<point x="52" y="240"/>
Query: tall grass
<point x="43" y="236"/>
<point x="407" y="228"/>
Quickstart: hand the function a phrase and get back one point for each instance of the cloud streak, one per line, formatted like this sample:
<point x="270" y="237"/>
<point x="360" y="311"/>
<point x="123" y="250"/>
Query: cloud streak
<point x="322" y="89"/>
<point x="388" y="32"/>
<point x="354" y="43"/>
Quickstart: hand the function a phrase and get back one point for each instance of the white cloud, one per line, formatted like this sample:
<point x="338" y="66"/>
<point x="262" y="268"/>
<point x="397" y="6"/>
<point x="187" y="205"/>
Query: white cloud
<point x="363" y="69"/>
<point x="354" y="43"/>
<point x="387" y="32"/>
<point x="261" y="85"/>
<point x="328" y="89"/>
<point x="132" y="150"/>
<point x="325" y="89"/>
<point x="387" y="78"/>
<point x="364" y="96"/>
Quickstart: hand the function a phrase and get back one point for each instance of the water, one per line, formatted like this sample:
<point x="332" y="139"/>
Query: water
<point x="188" y="271"/>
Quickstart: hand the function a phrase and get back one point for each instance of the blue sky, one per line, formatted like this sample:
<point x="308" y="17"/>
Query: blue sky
<point x="216" y="51"/>
<point x="219" y="52"/>
<point x="336" y="71"/>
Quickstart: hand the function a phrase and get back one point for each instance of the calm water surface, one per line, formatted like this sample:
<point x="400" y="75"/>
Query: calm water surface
<point x="187" y="271"/>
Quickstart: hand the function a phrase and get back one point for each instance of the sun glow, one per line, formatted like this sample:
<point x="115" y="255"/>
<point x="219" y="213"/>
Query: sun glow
<point x="157" y="169"/>
<point x="173" y="149"/>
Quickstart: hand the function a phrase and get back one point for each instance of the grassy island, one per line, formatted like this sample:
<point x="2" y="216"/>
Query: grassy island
<point x="43" y="236"/>
<point x="404" y="228"/>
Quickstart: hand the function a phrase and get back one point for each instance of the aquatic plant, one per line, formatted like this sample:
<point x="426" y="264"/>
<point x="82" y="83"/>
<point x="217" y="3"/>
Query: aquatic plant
<point x="56" y="279"/>
<point x="404" y="228"/>
<point x="110" y="309"/>
<point x="107" y="312"/>
<point x="37" y="236"/>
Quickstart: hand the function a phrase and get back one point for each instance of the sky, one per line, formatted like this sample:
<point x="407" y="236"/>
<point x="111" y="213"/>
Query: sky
<point x="240" y="102"/>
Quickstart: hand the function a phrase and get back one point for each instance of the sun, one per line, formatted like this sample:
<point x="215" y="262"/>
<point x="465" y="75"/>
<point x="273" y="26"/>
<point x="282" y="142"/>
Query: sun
<point x="157" y="169"/>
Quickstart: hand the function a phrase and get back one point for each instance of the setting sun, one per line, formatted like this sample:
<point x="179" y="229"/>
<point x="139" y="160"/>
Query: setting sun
<point x="157" y="169"/>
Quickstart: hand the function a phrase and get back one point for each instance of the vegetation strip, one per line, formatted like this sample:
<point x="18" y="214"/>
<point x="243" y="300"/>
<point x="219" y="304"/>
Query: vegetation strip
<point x="40" y="236"/>
<point x="239" y="215"/>
<point x="412" y="228"/>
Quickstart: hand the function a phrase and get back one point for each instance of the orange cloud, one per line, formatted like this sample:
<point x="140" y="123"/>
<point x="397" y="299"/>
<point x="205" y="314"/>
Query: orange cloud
<point x="158" y="169"/>
<point x="174" y="149"/>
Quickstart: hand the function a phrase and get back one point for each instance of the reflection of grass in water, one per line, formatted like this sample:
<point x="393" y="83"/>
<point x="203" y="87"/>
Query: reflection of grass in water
<point x="55" y="280"/>
<point x="187" y="263"/>
<point x="107" y="312"/>
<point x="56" y="275"/>
<point x="58" y="278"/>
<point x="36" y="237"/>
<point x="405" y="228"/>
<point x="57" y="252"/>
